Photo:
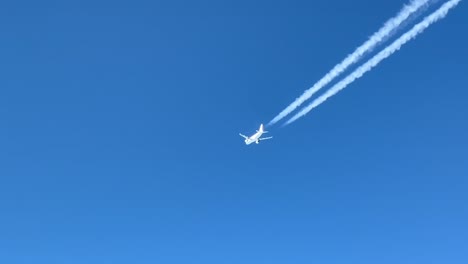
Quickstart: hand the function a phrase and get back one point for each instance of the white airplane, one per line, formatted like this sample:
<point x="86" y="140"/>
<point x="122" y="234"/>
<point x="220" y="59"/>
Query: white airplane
<point x="255" y="137"/>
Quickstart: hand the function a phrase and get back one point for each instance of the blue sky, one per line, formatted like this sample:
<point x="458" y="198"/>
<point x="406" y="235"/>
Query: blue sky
<point x="119" y="136"/>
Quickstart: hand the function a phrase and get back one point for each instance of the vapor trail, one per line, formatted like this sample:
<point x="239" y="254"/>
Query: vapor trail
<point x="374" y="61"/>
<point x="388" y="28"/>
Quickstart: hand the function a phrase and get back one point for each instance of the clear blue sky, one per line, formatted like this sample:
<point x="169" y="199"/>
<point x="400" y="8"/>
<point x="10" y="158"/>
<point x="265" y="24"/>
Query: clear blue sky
<point x="119" y="135"/>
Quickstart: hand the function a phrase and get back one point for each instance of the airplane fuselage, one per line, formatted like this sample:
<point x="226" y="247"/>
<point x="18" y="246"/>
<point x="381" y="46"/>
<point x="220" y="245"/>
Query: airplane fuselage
<point x="253" y="138"/>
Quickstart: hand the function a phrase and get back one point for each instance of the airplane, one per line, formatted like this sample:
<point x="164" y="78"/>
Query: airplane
<point x="255" y="137"/>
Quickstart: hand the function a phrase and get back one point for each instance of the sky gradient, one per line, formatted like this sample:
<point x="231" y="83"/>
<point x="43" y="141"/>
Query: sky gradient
<point x="119" y="138"/>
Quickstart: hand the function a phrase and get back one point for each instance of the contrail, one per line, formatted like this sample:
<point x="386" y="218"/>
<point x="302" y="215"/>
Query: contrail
<point x="374" y="61"/>
<point x="382" y="34"/>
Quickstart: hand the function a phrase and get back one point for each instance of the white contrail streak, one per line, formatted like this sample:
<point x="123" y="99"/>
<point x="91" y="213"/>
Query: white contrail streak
<point x="374" y="61"/>
<point x="388" y="28"/>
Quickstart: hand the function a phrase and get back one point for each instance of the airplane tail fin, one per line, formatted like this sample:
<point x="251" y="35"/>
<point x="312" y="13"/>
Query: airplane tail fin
<point x="263" y="129"/>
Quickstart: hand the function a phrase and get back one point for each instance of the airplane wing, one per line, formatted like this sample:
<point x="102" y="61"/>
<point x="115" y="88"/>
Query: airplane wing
<point x="265" y="138"/>
<point x="243" y="136"/>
